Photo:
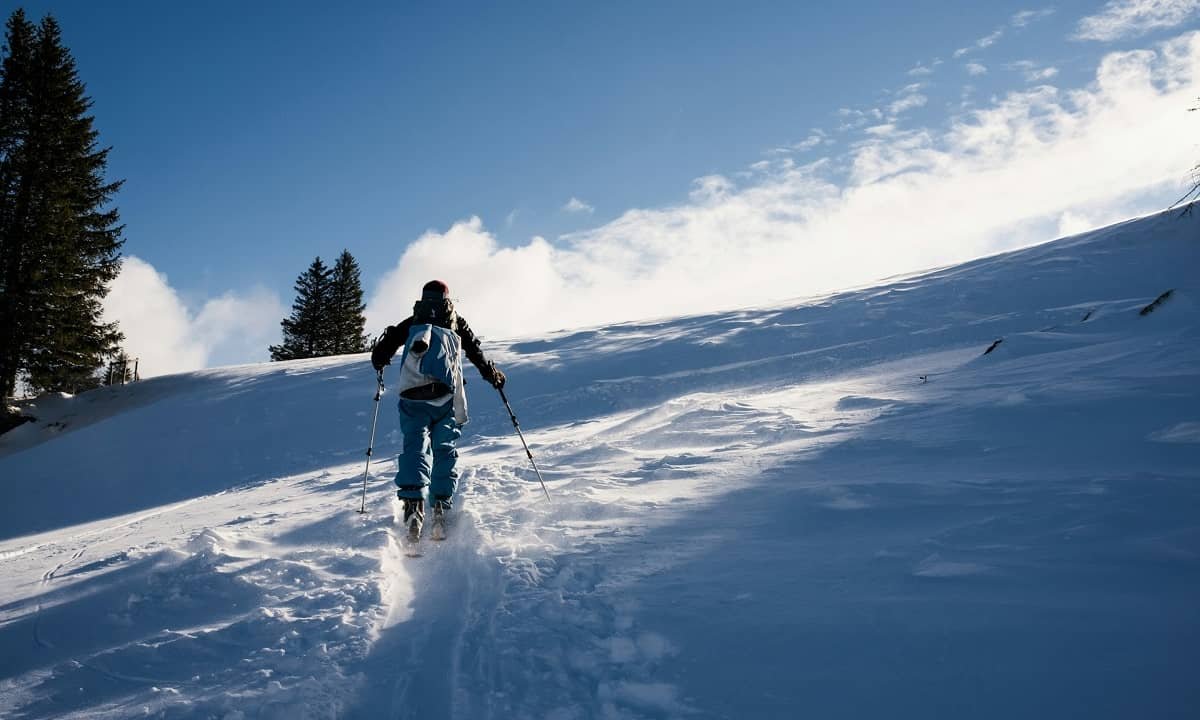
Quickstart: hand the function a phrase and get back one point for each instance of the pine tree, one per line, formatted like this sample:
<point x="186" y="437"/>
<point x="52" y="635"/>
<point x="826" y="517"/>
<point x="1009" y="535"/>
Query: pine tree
<point x="60" y="241"/>
<point x="15" y="164"/>
<point x="306" y="331"/>
<point x="346" y="307"/>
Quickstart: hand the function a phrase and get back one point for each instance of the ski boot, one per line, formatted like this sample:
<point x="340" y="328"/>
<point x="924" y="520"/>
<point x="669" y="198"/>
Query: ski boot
<point x="414" y="518"/>
<point x="441" y="508"/>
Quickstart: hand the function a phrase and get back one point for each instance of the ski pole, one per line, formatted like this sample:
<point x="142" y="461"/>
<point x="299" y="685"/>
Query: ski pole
<point x="520" y="434"/>
<point x="371" y="444"/>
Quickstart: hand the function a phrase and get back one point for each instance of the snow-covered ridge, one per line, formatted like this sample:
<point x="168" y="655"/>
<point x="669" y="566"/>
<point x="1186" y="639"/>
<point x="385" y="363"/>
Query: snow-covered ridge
<point x="838" y="508"/>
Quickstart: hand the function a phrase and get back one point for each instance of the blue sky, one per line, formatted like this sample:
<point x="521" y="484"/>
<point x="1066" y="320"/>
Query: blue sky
<point x="254" y="136"/>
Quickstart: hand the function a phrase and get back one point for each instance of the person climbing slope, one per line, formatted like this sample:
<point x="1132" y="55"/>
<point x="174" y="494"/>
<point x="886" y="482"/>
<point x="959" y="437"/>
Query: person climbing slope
<point x="433" y="402"/>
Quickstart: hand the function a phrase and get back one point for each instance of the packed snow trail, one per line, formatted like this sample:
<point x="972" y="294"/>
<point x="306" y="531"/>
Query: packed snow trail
<point x="838" y="508"/>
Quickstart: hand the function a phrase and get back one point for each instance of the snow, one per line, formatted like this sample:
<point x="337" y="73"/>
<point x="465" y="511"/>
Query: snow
<point x="836" y="507"/>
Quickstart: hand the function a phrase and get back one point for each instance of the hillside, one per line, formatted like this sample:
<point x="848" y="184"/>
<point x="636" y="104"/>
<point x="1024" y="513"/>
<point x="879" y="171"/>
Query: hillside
<point x="835" y="508"/>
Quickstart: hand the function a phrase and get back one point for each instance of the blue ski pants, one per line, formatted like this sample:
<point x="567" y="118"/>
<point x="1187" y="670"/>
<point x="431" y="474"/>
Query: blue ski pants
<point x="421" y="422"/>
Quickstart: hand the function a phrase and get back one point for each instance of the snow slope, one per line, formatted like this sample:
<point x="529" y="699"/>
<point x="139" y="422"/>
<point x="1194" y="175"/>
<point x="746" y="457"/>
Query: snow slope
<point x="835" y="508"/>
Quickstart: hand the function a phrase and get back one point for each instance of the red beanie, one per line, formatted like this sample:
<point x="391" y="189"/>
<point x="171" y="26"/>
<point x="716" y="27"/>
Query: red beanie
<point x="435" y="290"/>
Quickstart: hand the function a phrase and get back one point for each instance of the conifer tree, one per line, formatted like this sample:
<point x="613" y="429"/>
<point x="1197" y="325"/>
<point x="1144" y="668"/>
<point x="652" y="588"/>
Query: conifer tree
<point x="16" y="78"/>
<point x="346" y="307"/>
<point x="59" y="239"/>
<point x="305" y="332"/>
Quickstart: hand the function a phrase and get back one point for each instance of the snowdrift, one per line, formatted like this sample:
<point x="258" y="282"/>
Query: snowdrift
<point x="973" y="492"/>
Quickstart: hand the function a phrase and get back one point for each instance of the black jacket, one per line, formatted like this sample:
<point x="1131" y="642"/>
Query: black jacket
<point x="396" y="335"/>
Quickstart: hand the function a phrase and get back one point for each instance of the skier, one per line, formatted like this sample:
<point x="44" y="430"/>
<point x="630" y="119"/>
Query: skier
<point x="433" y="401"/>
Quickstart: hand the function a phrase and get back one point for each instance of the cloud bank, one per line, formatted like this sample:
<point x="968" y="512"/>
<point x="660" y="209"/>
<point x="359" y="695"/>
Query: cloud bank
<point x="167" y="337"/>
<point x="1016" y="172"/>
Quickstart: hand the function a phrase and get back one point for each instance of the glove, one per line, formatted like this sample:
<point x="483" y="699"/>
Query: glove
<point x="494" y="376"/>
<point x="380" y="355"/>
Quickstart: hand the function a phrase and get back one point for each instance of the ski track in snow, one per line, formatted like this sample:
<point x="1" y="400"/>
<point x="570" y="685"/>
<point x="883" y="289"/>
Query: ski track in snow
<point x="838" y="509"/>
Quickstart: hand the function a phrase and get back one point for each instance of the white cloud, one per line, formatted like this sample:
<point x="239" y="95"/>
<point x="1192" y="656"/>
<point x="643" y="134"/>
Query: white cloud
<point x="1129" y="18"/>
<point x="1071" y="223"/>
<point x="810" y="142"/>
<point x="575" y="205"/>
<point x="858" y="118"/>
<point x="922" y="70"/>
<point x="500" y="290"/>
<point x="1075" y="221"/>
<point x="906" y="103"/>
<point x="155" y="322"/>
<point x="989" y="40"/>
<point x="1018" y="21"/>
<point x="711" y="188"/>
<point x="975" y="68"/>
<point x="1041" y="74"/>
<point x="1032" y="71"/>
<point x="982" y="43"/>
<point x="1025" y="17"/>
<point x="1003" y="176"/>
<point x="511" y="218"/>
<point x="236" y="326"/>
<point x="815" y="139"/>
<point x="166" y="337"/>
<point x="851" y="119"/>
